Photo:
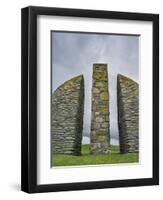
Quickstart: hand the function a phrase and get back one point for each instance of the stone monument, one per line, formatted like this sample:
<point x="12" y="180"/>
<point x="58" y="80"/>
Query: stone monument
<point x="100" y="134"/>
<point x="128" y="114"/>
<point x="67" y="117"/>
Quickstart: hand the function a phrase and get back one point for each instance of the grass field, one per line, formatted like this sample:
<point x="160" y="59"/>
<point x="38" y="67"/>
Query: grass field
<point x="87" y="159"/>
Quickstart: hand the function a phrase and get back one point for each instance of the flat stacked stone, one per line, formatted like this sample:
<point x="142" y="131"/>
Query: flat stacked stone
<point x="100" y="134"/>
<point x="128" y="114"/>
<point x="67" y="117"/>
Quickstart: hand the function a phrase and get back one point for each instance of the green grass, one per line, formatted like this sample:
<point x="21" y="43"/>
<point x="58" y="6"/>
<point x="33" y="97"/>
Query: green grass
<point x="87" y="159"/>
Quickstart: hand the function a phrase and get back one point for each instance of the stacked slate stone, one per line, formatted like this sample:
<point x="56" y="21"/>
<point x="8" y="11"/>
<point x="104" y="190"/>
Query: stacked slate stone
<point x="128" y="114"/>
<point x="67" y="117"/>
<point x="100" y="135"/>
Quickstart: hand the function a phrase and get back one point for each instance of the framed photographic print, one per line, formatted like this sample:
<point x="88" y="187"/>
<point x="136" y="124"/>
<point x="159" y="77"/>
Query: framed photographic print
<point x="90" y="99"/>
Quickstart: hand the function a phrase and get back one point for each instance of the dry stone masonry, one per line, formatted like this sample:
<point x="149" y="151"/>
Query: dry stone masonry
<point x="68" y="109"/>
<point x="100" y="135"/>
<point x="67" y="117"/>
<point x="128" y="114"/>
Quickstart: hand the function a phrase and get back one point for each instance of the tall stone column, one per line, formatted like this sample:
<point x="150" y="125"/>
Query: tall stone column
<point x="100" y="133"/>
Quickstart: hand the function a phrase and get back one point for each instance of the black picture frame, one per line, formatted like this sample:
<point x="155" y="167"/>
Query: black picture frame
<point x="29" y="98"/>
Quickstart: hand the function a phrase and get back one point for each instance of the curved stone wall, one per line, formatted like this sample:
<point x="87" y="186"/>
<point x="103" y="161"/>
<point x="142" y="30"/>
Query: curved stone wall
<point x="100" y="134"/>
<point x="128" y="114"/>
<point x="67" y="117"/>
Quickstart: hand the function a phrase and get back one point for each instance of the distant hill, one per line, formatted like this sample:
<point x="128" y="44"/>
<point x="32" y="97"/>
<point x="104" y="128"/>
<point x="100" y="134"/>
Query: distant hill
<point x="86" y="140"/>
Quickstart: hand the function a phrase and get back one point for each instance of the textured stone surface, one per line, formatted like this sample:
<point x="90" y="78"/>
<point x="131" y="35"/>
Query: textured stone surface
<point x="67" y="117"/>
<point x="100" y="135"/>
<point x="128" y="114"/>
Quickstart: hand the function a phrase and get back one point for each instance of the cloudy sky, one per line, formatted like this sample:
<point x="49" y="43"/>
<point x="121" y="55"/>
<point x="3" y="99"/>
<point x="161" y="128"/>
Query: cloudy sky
<point x="74" y="54"/>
